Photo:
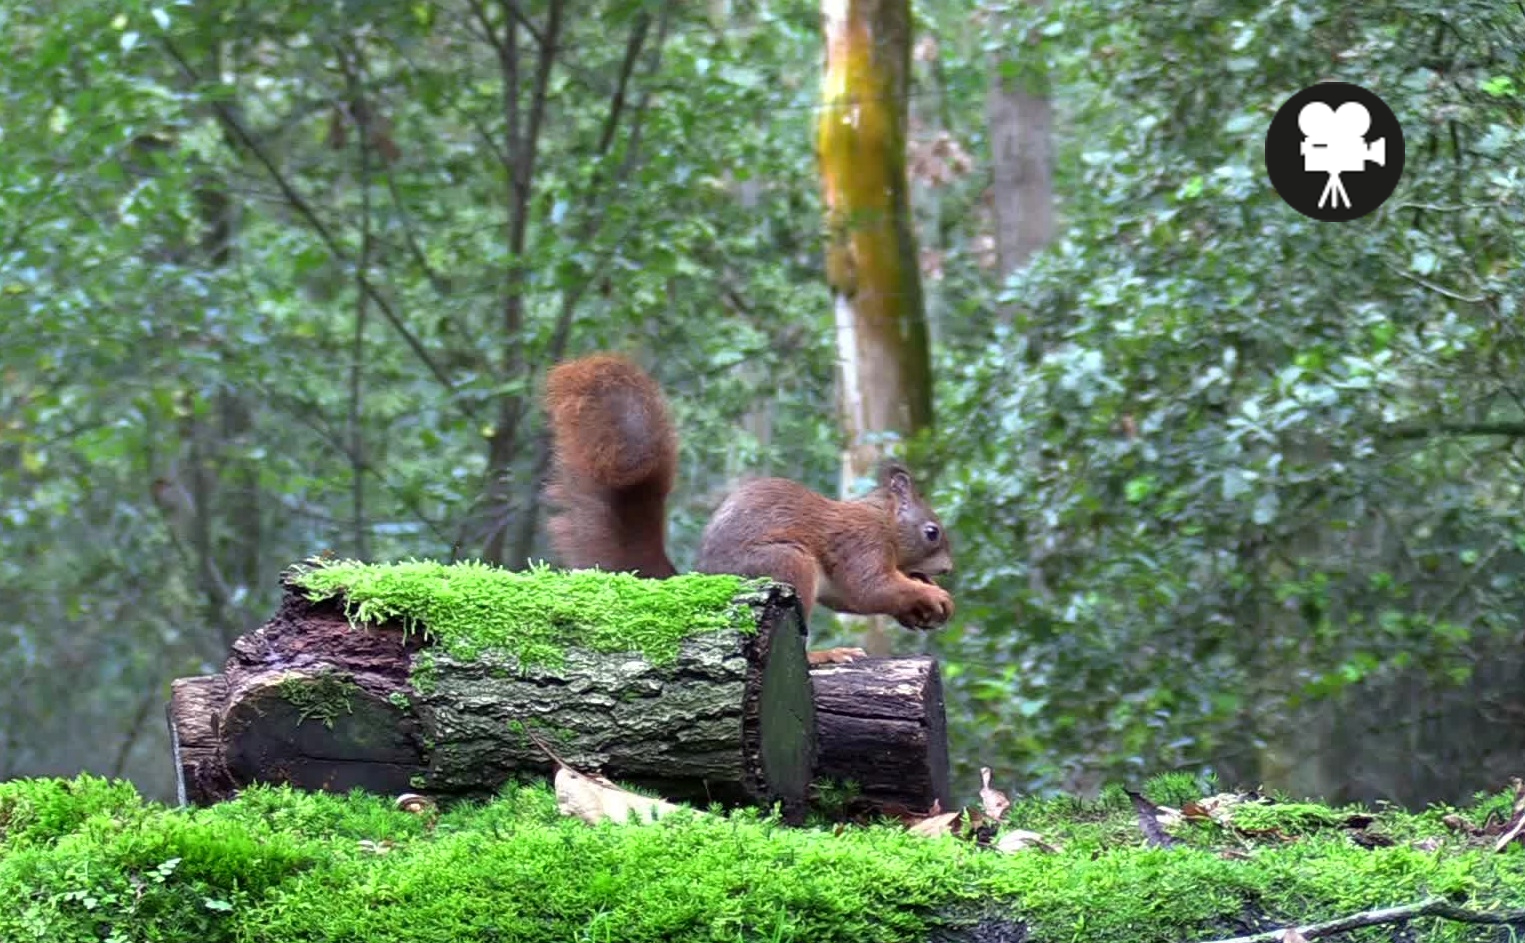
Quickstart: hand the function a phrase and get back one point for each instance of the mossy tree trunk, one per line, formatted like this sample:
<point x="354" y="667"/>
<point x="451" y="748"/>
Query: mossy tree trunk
<point x="309" y="700"/>
<point x="884" y="380"/>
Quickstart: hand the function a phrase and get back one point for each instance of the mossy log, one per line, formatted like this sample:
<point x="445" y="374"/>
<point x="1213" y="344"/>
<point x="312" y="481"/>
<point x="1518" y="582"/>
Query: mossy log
<point x="881" y="726"/>
<point x="313" y="699"/>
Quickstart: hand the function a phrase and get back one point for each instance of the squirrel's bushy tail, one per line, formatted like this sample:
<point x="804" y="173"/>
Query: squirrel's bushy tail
<point x="615" y="456"/>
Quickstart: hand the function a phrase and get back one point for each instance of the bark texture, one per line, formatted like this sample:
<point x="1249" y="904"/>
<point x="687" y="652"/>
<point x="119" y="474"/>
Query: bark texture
<point x="882" y="726"/>
<point x="306" y="699"/>
<point x="884" y="362"/>
<point x="1021" y="151"/>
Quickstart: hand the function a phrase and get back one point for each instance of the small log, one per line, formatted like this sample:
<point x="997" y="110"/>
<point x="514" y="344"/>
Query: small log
<point x="310" y="700"/>
<point x="880" y="725"/>
<point x="194" y="714"/>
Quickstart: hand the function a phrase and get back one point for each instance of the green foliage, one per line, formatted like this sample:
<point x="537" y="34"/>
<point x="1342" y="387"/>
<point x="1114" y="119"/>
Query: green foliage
<point x="1231" y="491"/>
<point x="38" y="811"/>
<point x="1237" y="490"/>
<point x="533" y="615"/>
<point x="279" y="864"/>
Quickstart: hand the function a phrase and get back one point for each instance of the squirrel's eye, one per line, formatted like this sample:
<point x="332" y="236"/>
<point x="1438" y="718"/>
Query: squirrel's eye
<point x="931" y="532"/>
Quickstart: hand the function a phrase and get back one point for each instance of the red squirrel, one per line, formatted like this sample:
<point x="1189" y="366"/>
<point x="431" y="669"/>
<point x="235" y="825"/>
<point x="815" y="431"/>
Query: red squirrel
<point x="615" y="458"/>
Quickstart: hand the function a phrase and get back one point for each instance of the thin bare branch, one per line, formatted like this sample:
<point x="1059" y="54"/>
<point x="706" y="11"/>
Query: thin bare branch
<point x="304" y="209"/>
<point x="1434" y="907"/>
<point x="353" y="69"/>
<point x="1435" y="430"/>
<point x="592" y="224"/>
<point x="524" y="148"/>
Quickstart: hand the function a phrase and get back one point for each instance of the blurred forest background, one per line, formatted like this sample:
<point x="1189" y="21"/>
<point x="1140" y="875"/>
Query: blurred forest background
<point x="1230" y="490"/>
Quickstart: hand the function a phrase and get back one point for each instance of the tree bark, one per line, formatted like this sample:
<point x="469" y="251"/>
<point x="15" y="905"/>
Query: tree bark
<point x="884" y="361"/>
<point x="1021" y="153"/>
<point x="881" y="726"/>
<point x="1020" y="116"/>
<point x="308" y="700"/>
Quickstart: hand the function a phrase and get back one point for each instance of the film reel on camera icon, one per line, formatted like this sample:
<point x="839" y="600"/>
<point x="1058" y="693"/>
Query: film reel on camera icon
<point x="1334" y="151"/>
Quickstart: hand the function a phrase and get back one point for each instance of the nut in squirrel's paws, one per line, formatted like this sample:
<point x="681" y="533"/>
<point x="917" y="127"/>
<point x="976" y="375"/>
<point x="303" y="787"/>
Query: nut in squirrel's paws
<point x="834" y="656"/>
<point x="929" y="608"/>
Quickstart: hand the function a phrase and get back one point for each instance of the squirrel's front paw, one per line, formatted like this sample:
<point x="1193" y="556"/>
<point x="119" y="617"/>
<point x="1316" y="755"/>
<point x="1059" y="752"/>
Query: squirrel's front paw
<point x="930" y="607"/>
<point x="834" y="656"/>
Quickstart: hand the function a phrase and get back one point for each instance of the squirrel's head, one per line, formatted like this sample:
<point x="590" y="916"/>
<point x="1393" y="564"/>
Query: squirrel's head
<point x="922" y="546"/>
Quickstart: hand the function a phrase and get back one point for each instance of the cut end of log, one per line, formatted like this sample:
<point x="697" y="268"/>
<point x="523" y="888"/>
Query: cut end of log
<point x="882" y="727"/>
<point x="785" y="720"/>
<point x="320" y="731"/>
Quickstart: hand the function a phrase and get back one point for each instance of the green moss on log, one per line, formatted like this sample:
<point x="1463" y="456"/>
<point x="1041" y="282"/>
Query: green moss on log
<point x="533" y="615"/>
<point x="83" y="859"/>
<point x="326" y="697"/>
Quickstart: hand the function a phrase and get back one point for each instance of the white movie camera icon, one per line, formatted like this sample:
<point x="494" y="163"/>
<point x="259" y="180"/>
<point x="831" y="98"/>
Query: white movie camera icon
<point x="1335" y="143"/>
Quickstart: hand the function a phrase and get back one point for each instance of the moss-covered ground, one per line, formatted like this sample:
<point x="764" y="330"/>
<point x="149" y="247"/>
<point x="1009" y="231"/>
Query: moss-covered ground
<point x="87" y="859"/>
<point x="532" y="615"/>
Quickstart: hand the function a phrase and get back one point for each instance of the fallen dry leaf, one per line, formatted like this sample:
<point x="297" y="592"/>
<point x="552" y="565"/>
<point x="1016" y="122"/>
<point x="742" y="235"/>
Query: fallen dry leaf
<point x="1219" y="808"/>
<point x="1458" y="824"/>
<point x="1516" y="824"/>
<point x="1290" y="935"/>
<point x="414" y="803"/>
<point x="993" y="801"/>
<point x="934" y="825"/>
<point x="1020" y="840"/>
<point x="595" y="799"/>
<point x="1149" y="820"/>
<point x="1370" y="840"/>
<point x="1168" y="817"/>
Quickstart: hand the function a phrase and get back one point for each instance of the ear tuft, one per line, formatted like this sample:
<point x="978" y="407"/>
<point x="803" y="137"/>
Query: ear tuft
<point x="896" y="478"/>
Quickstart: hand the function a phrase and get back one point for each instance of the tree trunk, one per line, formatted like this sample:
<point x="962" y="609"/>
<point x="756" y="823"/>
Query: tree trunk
<point x="884" y="362"/>
<point x="1021" y="149"/>
<point x="1021" y="153"/>
<point x="881" y="727"/>
<point x="308" y="700"/>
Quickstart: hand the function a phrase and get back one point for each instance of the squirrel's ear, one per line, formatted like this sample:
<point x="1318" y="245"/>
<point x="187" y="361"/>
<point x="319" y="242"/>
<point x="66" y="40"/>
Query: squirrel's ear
<point x="897" y="479"/>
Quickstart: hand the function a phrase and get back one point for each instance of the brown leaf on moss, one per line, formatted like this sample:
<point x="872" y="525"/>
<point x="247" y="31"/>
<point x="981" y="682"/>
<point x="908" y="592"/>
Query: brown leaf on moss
<point x="1370" y="840"/>
<point x="413" y="803"/>
<point x="595" y="799"/>
<point x="1149" y="820"/>
<point x="935" y="825"/>
<point x="1456" y="823"/>
<point x="1018" y="839"/>
<point x="1515" y="827"/>
<point x="993" y="801"/>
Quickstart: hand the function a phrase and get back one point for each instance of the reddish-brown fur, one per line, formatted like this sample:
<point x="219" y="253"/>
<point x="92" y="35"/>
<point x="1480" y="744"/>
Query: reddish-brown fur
<point x="615" y="463"/>
<point x="614" y="460"/>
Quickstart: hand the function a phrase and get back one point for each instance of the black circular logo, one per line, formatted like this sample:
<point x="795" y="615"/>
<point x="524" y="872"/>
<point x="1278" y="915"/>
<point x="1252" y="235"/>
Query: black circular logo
<point x="1334" y="152"/>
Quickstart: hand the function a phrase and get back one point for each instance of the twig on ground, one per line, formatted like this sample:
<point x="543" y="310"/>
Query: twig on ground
<point x="1434" y="907"/>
